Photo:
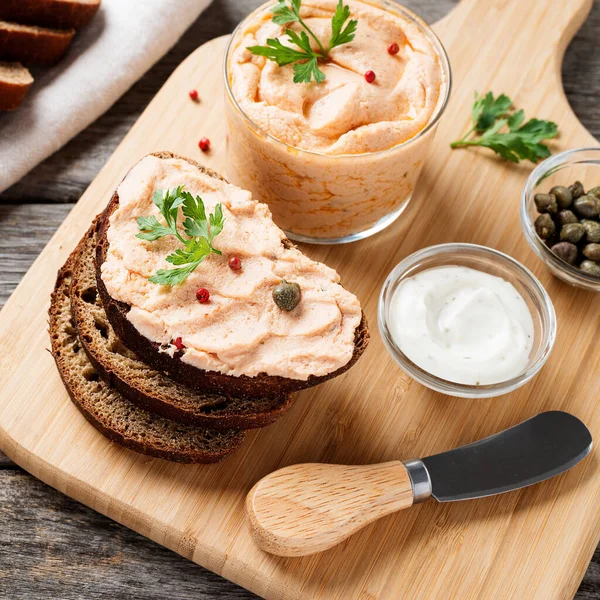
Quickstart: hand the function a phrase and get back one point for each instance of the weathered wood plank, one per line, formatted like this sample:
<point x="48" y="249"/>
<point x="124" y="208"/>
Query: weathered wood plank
<point x="52" y="546"/>
<point x="24" y="231"/>
<point x="5" y="462"/>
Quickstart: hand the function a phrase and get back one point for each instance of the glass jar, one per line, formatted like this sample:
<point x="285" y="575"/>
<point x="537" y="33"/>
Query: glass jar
<point x="560" y="169"/>
<point x="325" y="198"/>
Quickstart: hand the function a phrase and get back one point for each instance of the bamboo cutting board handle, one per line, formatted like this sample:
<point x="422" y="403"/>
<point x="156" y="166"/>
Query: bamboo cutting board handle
<point x="308" y="508"/>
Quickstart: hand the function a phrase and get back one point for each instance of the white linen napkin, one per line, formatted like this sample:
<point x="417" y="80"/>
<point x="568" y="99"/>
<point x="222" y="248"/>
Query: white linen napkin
<point x="123" y="40"/>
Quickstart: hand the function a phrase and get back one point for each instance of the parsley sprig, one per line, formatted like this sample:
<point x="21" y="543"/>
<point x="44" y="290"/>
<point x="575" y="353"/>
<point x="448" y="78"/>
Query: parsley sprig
<point x="497" y="126"/>
<point x="305" y="59"/>
<point x="199" y="230"/>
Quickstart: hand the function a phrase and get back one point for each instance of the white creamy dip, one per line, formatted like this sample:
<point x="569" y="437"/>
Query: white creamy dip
<point x="462" y="325"/>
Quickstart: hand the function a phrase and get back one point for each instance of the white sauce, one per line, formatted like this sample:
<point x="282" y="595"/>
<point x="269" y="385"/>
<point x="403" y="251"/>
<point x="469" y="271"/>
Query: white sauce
<point x="462" y="325"/>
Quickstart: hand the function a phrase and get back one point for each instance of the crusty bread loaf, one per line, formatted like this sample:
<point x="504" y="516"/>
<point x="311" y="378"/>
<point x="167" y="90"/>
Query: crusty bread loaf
<point x="15" y="81"/>
<point x="33" y="45"/>
<point x="143" y="385"/>
<point x="197" y="379"/>
<point x="109" y="412"/>
<point x="60" y="14"/>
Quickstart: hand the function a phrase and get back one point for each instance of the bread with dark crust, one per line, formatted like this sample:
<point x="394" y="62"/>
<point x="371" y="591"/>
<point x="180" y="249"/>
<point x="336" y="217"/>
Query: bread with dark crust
<point x="110" y="413"/>
<point x="61" y="14"/>
<point x="33" y="45"/>
<point x="144" y="386"/>
<point x="148" y="351"/>
<point x="15" y="81"/>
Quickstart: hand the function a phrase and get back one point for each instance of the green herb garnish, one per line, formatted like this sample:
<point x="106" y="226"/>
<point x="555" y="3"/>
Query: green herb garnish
<point x="199" y="230"/>
<point x="306" y="59"/>
<point x="497" y="126"/>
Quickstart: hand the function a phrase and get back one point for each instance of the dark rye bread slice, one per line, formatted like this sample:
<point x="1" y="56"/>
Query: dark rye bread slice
<point x="113" y="415"/>
<point x="141" y="384"/>
<point x="61" y="14"/>
<point x="33" y="45"/>
<point x="192" y="377"/>
<point x="15" y="81"/>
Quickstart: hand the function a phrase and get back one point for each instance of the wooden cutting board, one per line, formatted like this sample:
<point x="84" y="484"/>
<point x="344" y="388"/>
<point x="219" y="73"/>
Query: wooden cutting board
<point x="530" y="544"/>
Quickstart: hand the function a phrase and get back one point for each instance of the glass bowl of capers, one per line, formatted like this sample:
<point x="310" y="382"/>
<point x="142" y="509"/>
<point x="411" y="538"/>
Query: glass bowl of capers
<point x="560" y="215"/>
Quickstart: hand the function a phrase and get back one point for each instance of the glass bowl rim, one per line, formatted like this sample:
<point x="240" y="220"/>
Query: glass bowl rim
<point x="431" y="35"/>
<point x="445" y="386"/>
<point x="547" y="167"/>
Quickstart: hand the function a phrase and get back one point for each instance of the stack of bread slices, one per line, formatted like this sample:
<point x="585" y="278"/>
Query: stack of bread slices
<point x="35" y="33"/>
<point x="145" y="399"/>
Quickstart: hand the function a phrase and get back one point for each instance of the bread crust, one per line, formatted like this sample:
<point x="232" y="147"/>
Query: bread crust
<point x="60" y="14"/>
<point x="146" y="387"/>
<point x="84" y="402"/>
<point x="12" y="93"/>
<point x="173" y="366"/>
<point x="33" y="45"/>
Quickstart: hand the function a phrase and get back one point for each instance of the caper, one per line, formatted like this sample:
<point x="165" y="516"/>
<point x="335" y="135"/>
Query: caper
<point x="595" y="192"/>
<point x="587" y="206"/>
<point x="566" y="251"/>
<point x="567" y="216"/>
<point x="572" y="232"/>
<point x="592" y="251"/>
<point x="287" y="295"/>
<point x="545" y="227"/>
<point x="592" y="230"/>
<point x="546" y="203"/>
<point x="577" y="189"/>
<point x="563" y="196"/>
<point x="590" y="267"/>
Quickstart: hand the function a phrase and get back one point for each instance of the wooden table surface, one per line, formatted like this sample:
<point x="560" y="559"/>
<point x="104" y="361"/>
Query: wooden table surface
<point x="50" y="545"/>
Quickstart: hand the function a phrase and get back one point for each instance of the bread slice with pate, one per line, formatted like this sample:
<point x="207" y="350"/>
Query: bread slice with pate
<point x="239" y="342"/>
<point x="113" y="415"/>
<point x="141" y="384"/>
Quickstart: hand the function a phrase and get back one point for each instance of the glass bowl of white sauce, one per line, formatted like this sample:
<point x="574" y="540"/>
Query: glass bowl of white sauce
<point x="466" y="320"/>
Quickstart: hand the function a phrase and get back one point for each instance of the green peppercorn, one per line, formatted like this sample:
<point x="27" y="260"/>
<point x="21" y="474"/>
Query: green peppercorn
<point x="572" y="232"/>
<point x="587" y="206"/>
<point x="287" y="295"/>
<point x="595" y="192"/>
<point x="566" y="251"/>
<point x="546" y="203"/>
<point x="545" y="227"/>
<point x="592" y="251"/>
<point x="567" y="216"/>
<point x="577" y="189"/>
<point x="592" y="230"/>
<point x="563" y="195"/>
<point x="590" y="267"/>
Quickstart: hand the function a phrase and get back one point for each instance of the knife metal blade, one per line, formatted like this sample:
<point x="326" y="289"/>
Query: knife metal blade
<point x="537" y="449"/>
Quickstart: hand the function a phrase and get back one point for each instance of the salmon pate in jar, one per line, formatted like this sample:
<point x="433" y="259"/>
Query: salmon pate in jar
<point x="336" y="159"/>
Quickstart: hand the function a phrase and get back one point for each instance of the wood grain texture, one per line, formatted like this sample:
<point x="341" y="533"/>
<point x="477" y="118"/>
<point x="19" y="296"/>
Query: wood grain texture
<point x="40" y="557"/>
<point x="307" y="508"/>
<point x="64" y="177"/>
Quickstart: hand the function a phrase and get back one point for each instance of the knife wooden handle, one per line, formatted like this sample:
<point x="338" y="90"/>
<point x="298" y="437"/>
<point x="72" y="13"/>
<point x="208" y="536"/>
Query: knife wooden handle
<point x="307" y="508"/>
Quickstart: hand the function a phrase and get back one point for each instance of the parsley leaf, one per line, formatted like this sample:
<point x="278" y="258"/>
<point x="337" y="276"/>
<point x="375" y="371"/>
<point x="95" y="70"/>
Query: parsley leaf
<point x="282" y="55"/>
<point x="200" y="231"/>
<point x="173" y="277"/>
<point x="152" y="229"/>
<point x="521" y="142"/>
<point x="304" y="72"/>
<point x="305" y="59"/>
<point x="282" y="13"/>
<point x="340" y="34"/>
<point x="486" y="110"/>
